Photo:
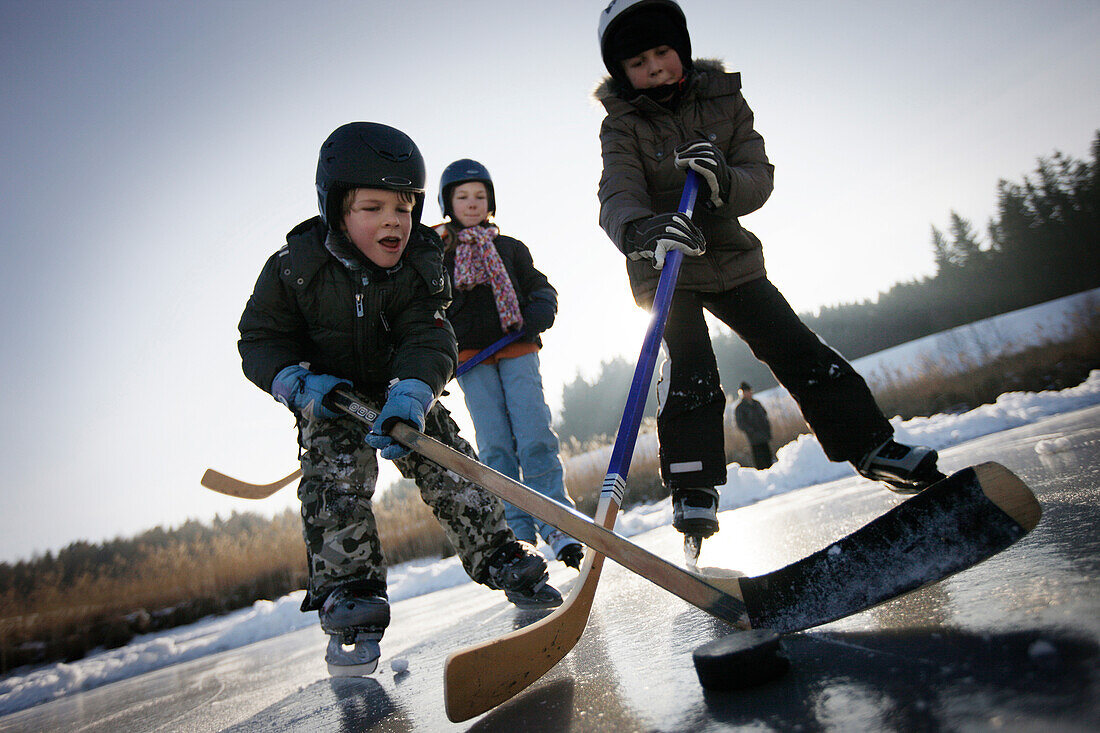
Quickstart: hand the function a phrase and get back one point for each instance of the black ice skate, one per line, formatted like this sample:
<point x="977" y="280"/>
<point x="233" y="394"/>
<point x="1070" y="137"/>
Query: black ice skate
<point x="695" y="511"/>
<point x="521" y="573"/>
<point x="572" y="555"/>
<point x="566" y="549"/>
<point x="695" y="514"/>
<point x="903" y="468"/>
<point x="355" y="624"/>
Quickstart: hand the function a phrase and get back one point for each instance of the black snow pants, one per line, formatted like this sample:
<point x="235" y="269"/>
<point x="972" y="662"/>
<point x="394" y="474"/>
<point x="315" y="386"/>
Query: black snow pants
<point x="835" y="401"/>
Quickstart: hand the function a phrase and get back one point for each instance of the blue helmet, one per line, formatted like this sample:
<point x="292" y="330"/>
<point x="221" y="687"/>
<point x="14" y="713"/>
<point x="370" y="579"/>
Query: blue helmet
<point x="464" y="171"/>
<point x="367" y="155"/>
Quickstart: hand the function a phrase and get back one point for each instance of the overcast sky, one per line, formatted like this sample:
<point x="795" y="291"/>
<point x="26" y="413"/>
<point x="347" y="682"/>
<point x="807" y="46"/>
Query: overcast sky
<point x="154" y="154"/>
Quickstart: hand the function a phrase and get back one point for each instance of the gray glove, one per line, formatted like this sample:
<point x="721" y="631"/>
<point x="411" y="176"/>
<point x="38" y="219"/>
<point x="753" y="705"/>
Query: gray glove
<point x="706" y="160"/>
<point x="654" y="237"/>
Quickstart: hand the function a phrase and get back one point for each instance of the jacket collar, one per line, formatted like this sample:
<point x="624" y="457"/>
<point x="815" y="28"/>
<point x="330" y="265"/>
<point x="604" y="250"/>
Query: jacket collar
<point x="311" y="246"/>
<point x="708" y="79"/>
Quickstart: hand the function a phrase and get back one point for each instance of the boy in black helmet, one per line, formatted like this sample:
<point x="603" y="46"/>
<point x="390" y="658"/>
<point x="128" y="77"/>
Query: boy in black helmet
<point x="356" y="298"/>
<point x="667" y="113"/>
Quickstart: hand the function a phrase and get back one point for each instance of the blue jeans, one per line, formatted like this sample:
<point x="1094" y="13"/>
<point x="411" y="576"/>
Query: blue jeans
<point x="512" y="425"/>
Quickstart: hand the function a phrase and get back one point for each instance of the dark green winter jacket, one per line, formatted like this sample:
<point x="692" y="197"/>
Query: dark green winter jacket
<point x="638" y="138"/>
<point x="326" y="306"/>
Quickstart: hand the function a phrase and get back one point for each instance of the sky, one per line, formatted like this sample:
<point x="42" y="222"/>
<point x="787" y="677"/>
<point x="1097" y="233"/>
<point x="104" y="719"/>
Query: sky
<point x="154" y="154"/>
<point x="799" y="464"/>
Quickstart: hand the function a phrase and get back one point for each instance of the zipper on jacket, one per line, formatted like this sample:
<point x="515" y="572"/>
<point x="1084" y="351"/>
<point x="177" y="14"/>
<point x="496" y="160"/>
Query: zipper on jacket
<point x="359" y="335"/>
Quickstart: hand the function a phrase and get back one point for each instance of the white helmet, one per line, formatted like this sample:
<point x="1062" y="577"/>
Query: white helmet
<point x="649" y="22"/>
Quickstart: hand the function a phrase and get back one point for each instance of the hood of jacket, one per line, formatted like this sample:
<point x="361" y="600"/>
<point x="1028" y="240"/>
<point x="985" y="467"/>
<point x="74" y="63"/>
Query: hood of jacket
<point x="611" y="94"/>
<point x="423" y="253"/>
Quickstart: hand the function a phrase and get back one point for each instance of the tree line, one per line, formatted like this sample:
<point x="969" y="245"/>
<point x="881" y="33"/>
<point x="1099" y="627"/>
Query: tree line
<point x="118" y="558"/>
<point x="1042" y="243"/>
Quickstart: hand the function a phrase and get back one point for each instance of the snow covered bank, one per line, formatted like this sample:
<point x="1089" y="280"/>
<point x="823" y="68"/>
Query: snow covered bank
<point x="1003" y="335"/>
<point x="265" y="619"/>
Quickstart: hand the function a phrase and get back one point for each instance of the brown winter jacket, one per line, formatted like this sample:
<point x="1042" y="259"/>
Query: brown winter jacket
<point x="640" y="179"/>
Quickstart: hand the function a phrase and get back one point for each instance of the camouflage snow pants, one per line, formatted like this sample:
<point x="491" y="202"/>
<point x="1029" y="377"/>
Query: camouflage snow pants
<point x="339" y="474"/>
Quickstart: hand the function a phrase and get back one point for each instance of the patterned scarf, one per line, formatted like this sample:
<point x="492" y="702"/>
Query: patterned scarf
<point x="477" y="262"/>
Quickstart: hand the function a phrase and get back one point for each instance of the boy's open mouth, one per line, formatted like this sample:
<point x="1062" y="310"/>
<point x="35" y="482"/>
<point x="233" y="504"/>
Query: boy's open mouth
<point x="390" y="243"/>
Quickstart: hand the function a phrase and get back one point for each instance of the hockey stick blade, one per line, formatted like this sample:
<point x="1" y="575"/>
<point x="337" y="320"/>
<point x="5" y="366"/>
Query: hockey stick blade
<point x="953" y="525"/>
<point x="217" y="481"/>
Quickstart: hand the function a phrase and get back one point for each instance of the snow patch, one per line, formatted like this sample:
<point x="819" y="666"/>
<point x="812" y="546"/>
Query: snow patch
<point x="1054" y="445"/>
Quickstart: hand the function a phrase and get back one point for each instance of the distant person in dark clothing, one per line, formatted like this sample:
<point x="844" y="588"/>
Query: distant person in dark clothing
<point x="752" y="420"/>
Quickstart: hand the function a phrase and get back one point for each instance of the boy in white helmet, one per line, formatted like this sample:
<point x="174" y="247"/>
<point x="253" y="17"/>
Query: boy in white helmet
<point x="668" y="113"/>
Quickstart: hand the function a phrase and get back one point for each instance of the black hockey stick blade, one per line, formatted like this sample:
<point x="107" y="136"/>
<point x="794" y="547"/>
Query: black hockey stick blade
<point x="953" y="525"/>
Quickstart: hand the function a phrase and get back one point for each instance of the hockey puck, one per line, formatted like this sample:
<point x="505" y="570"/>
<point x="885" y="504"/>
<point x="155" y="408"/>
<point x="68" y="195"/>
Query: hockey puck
<point x="741" y="659"/>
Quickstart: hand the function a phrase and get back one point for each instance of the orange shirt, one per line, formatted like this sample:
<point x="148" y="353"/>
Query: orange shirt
<point x="511" y="351"/>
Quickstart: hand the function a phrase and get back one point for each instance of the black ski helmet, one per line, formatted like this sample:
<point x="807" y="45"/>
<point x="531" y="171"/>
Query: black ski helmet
<point x="629" y="27"/>
<point x="464" y="171"/>
<point x="367" y="155"/>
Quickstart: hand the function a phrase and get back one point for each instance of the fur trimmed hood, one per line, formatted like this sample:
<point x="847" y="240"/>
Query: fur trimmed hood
<point x="608" y="88"/>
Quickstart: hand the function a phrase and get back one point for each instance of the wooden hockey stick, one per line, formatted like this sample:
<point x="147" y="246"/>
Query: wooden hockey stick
<point x="218" y="481"/>
<point x="481" y="677"/>
<point x="951" y="526"/>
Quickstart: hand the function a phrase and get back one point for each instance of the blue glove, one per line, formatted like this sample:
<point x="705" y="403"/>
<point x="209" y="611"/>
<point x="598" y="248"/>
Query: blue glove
<point x="538" y="315"/>
<point x="407" y="402"/>
<point x="303" y="391"/>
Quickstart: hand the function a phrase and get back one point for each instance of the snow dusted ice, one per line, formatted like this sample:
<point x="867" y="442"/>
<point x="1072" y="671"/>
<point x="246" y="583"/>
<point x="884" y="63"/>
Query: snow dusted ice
<point x="799" y="464"/>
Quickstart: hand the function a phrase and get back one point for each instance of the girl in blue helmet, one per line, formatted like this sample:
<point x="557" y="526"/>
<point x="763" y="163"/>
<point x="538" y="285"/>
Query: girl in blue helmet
<point x="497" y="291"/>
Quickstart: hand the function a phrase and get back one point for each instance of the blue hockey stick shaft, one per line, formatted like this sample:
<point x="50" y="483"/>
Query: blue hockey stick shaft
<point x="627" y="436"/>
<point x="488" y="351"/>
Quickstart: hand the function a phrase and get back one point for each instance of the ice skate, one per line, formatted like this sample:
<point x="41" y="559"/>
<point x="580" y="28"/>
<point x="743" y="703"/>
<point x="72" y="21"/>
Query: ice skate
<point x="566" y="549"/>
<point x="572" y="555"/>
<point x="520" y="572"/>
<point x="903" y="468"/>
<point x="355" y="624"/>
<point x="695" y="514"/>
